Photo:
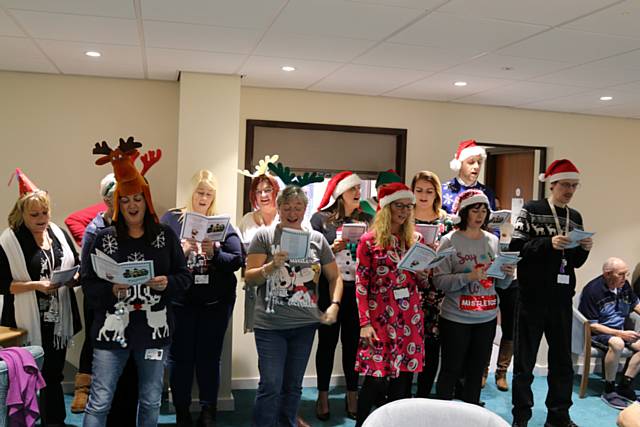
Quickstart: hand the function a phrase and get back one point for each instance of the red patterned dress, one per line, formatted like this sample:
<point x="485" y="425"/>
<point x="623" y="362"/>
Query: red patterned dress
<point x="397" y="320"/>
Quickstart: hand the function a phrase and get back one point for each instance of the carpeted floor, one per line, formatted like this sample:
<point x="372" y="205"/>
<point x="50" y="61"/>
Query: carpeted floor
<point x="587" y="412"/>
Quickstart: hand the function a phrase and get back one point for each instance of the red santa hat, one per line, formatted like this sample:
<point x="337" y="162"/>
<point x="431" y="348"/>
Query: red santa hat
<point x="465" y="199"/>
<point x="395" y="191"/>
<point x="337" y="185"/>
<point x="560" y="169"/>
<point x="24" y="183"/>
<point x="466" y="149"/>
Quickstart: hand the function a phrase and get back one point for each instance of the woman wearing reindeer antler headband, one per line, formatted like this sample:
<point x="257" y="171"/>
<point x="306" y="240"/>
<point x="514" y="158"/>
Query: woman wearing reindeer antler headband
<point x="263" y="192"/>
<point x="286" y="312"/>
<point x="31" y="250"/>
<point x="131" y="319"/>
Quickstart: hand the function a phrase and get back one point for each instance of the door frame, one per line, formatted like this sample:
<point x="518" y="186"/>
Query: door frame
<point x="511" y="148"/>
<point x="400" y="135"/>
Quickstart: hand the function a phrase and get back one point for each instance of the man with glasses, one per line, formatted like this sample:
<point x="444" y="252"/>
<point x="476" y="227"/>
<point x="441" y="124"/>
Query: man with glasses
<point x="547" y="279"/>
<point x="607" y="301"/>
<point x="467" y="163"/>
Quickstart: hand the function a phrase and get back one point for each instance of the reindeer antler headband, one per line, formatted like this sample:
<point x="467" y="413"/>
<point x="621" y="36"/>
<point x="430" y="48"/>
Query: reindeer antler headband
<point x="290" y="178"/>
<point x="262" y="168"/>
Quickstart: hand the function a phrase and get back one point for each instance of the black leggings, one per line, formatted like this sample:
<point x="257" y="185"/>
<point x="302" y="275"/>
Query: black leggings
<point x="427" y="377"/>
<point x="508" y="299"/>
<point x="465" y="350"/>
<point x="378" y="391"/>
<point x="348" y="328"/>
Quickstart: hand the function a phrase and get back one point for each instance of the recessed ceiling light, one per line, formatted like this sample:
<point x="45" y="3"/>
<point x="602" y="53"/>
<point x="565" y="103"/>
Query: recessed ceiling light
<point x="606" y="98"/>
<point x="460" y="84"/>
<point x="288" y="68"/>
<point x="93" y="54"/>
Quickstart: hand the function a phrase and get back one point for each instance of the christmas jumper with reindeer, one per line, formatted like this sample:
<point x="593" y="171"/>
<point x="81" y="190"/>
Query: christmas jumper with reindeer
<point x="146" y="321"/>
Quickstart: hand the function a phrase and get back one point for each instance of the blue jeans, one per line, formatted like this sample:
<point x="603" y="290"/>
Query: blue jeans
<point x="107" y="367"/>
<point x="197" y="343"/>
<point x="282" y="359"/>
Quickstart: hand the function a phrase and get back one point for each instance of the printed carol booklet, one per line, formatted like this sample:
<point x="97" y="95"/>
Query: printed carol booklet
<point x="197" y="226"/>
<point x="421" y="257"/>
<point x="127" y="273"/>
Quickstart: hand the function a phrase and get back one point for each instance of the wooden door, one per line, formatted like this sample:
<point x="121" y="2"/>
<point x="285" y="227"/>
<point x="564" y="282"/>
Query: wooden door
<point x="509" y="171"/>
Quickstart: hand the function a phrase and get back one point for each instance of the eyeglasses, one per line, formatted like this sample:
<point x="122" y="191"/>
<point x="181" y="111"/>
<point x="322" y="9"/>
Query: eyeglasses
<point x="569" y="186"/>
<point x="400" y="206"/>
<point x="265" y="191"/>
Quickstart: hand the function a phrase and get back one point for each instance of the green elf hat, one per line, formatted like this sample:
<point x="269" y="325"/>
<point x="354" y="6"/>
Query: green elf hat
<point x="369" y="206"/>
<point x="387" y="177"/>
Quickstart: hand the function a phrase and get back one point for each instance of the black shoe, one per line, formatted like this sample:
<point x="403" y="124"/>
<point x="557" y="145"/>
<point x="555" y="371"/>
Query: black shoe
<point x="350" y="415"/>
<point x="183" y="417"/>
<point x="207" y="416"/>
<point x="568" y="423"/>
<point x="321" y="416"/>
<point x="626" y="391"/>
<point x="519" y="423"/>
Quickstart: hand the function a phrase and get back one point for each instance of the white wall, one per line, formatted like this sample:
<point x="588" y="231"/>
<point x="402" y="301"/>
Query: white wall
<point x="48" y="125"/>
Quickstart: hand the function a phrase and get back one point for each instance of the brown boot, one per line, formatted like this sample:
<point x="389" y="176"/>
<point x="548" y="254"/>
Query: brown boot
<point x="504" y="359"/>
<point x="485" y="374"/>
<point x="81" y="396"/>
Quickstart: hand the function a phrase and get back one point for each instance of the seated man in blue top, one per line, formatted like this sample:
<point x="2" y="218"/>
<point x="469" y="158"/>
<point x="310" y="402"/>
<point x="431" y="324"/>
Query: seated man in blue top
<point x="607" y="301"/>
<point x="467" y="163"/>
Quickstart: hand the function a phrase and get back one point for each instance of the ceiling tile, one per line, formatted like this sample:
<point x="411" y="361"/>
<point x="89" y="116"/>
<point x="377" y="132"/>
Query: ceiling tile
<point x="164" y="64"/>
<point x="544" y="12"/>
<point x="624" y="60"/>
<point x="342" y="19"/>
<point x="521" y="93"/>
<point x="111" y="8"/>
<point x="570" y="46"/>
<point x="200" y="37"/>
<point x="321" y="48"/>
<point x="594" y="75"/>
<point x="583" y="101"/>
<point x="411" y="4"/>
<point x="620" y="20"/>
<point x="453" y="31"/>
<point x="8" y="27"/>
<point x="627" y="110"/>
<point x="21" y="54"/>
<point x="629" y="87"/>
<point x="57" y="26"/>
<point x="439" y="87"/>
<point x="492" y="65"/>
<point x="226" y="13"/>
<point x="116" y="60"/>
<point x="414" y="57"/>
<point x="366" y="80"/>
<point x="265" y="71"/>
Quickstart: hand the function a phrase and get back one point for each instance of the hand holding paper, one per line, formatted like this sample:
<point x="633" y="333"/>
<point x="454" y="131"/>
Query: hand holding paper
<point x="421" y="257"/>
<point x="576" y="236"/>
<point x="503" y="259"/>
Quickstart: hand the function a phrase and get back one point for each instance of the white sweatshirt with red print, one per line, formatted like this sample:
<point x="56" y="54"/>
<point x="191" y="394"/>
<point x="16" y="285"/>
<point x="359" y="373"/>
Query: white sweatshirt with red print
<point x="468" y="301"/>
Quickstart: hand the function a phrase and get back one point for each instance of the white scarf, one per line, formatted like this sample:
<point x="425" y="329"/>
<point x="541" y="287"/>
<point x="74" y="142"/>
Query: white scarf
<point x="26" y="303"/>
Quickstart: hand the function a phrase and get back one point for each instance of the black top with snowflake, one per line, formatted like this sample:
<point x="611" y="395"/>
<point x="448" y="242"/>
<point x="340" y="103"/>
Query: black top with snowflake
<point x="39" y="264"/>
<point x="147" y="321"/>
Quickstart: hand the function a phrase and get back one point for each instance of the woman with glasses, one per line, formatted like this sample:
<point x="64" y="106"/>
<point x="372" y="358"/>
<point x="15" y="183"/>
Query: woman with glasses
<point x="470" y="306"/>
<point x="203" y="311"/>
<point x="263" y="192"/>
<point x="390" y="311"/>
<point x="427" y="188"/>
<point x="286" y="311"/>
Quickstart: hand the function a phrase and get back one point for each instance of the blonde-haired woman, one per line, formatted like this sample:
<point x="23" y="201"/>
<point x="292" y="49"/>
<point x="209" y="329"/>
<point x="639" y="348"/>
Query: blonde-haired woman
<point x="31" y="249"/>
<point x="202" y="313"/>
<point x="391" y="318"/>
<point x="427" y="188"/>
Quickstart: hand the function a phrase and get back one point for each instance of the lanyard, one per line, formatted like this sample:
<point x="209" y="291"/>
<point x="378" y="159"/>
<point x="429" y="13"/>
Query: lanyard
<point x="555" y="217"/>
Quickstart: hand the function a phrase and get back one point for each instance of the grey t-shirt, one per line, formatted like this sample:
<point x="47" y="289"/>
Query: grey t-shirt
<point x="289" y="297"/>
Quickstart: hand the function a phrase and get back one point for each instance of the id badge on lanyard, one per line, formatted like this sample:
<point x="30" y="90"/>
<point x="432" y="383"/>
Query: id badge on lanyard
<point x="563" y="278"/>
